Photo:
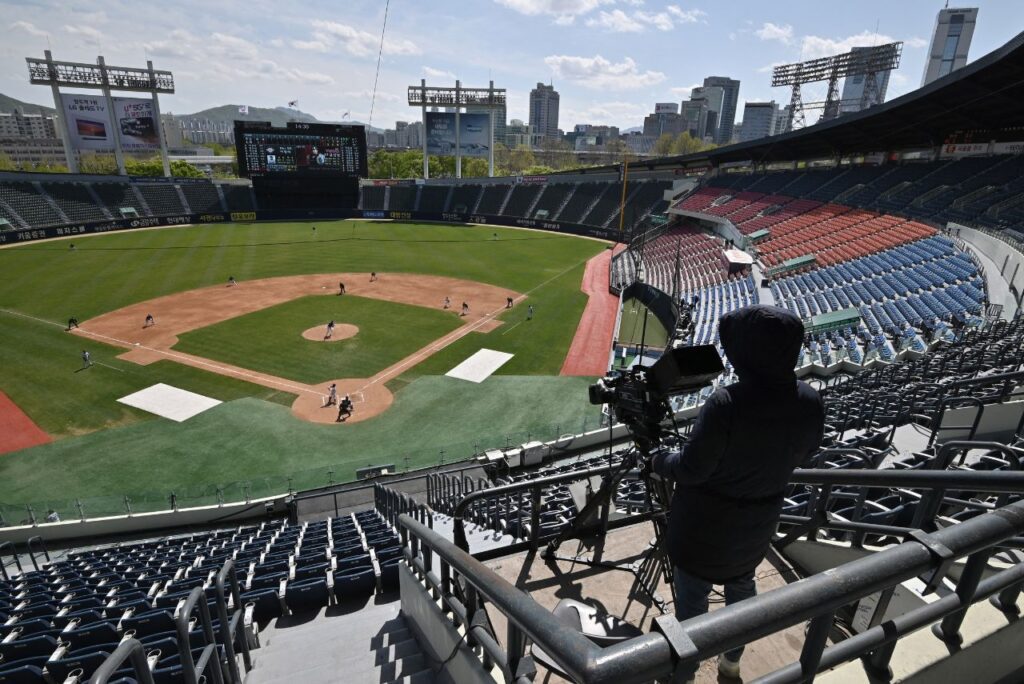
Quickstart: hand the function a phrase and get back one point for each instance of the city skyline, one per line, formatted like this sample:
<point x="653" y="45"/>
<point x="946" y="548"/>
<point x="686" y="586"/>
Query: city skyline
<point x="606" y="58"/>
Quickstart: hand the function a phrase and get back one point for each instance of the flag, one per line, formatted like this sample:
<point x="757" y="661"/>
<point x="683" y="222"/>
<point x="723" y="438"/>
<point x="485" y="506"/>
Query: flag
<point x="243" y="109"/>
<point x="345" y="115"/>
<point x="293" y="103"/>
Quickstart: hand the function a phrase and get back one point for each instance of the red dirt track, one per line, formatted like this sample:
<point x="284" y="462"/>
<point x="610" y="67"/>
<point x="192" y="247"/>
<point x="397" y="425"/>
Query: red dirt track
<point x="17" y="431"/>
<point x="588" y="354"/>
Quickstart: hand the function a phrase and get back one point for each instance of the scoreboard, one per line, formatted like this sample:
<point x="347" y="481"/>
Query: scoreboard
<point x="300" y="149"/>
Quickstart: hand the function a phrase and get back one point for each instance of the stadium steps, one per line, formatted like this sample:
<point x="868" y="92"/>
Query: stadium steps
<point x="848" y="193"/>
<point x="533" y="204"/>
<point x="91" y="189"/>
<point x="504" y="202"/>
<point x="49" y="201"/>
<point x="609" y="187"/>
<point x="146" y="211"/>
<point x="565" y="202"/>
<point x="15" y="217"/>
<point x="371" y="644"/>
<point x="921" y="200"/>
<point x="221" y="197"/>
<point x="182" y="199"/>
<point x="629" y="200"/>
<point x="448" y="198"/>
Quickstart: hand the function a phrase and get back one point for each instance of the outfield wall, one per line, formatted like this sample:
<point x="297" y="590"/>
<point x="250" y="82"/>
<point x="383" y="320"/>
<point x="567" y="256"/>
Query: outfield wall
<point x="73" y="229"/>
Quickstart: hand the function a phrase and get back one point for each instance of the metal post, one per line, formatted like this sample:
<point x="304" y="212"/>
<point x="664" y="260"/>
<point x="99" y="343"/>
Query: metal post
<point x="128" y="505"/>
<point x="458" y="143"/>
<point x="115" y="134"/>
<point x="62" y="119"/>
<point x="490" y="147"/>
<point x="423" y="99"/>
<point x="81" y="510"/>
<point x="159" y="122"/>
<point x="31" y="515"/>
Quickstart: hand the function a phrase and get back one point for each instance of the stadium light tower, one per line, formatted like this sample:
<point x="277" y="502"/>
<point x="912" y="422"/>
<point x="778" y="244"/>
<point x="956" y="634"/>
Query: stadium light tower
<point x="867" y="61"/>
<point x="444" y="130"/>
<point x="97" y="127"/>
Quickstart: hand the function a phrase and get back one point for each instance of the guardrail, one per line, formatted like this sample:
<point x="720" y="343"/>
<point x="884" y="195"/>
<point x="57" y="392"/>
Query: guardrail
<point x="464" y="584"/>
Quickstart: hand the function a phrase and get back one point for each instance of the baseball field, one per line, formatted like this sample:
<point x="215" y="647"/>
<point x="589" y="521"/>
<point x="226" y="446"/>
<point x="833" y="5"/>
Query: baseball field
<point x="258" y="349"/>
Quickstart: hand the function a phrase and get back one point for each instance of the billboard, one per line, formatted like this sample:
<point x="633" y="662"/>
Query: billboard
<point x="474" y="134"/>
<point x="90" y="123"/>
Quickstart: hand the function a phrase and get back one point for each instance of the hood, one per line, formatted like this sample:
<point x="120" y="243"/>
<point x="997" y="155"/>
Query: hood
<point x="762" y="343"/>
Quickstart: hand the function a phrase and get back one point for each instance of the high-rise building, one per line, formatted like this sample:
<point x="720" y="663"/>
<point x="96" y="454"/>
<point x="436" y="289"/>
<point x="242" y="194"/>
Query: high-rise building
<point x="695" y="118"/>
<point x="662" y="123"/>
<point x="714" y="98"/>
<point x="666" y="108"/>
<point x="853" y="89"/>
<point x="759" y="120"/>
<point x="954" y="29"/>
<point x="544" y="110"/>
<point x="730" y="99"/>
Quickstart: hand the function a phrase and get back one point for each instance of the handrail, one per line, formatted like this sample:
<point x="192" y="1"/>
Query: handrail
<point x="534" y="484"/>
<point x="986" y="481"/>
<point x="32" y="554"/>
<point x="229" y="626"/>
<point x="14" y="554"/>
<point x="193" y="671"/>
<point x="816" y="598"/>
<point x="129" y="649"/>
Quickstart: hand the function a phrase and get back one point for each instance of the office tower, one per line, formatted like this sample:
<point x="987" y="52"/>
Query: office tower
<point x="544" y="110"/>
<point x="954" y="29"/>
<point x="727" y="114"/>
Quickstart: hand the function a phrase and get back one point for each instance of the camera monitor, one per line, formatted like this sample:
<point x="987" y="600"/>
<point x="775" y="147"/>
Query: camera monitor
<point x="684" y="369"/>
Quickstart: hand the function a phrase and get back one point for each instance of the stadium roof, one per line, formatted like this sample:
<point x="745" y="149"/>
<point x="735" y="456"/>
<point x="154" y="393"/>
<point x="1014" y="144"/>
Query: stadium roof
<point x="986" y="94"/>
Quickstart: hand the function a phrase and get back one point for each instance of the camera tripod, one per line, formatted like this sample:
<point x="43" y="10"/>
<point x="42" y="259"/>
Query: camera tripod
<point x="593" y="520"/>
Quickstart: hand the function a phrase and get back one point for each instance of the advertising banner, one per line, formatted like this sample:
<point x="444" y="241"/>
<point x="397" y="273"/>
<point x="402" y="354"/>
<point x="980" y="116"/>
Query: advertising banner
<point x="136" y="124"/>
<point x="474" y="134"/>
<point x="440" y="133"/>
<point x="90" y="123"/>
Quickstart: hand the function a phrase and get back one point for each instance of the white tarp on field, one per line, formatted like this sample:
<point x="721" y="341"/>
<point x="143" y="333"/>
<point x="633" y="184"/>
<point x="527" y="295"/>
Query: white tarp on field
<point x="479" y="366"/>
<point x="169" y="402"/>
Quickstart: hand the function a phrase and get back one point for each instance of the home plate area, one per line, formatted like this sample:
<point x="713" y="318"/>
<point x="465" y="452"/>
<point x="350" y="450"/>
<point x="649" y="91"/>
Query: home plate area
<point x="169" y="402"/>
<point x="480" y="365"/>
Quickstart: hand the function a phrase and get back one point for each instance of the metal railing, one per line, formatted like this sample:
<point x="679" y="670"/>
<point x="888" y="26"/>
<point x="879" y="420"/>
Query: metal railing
<point x="464" y="585"/>
<point x="393" y="504"/>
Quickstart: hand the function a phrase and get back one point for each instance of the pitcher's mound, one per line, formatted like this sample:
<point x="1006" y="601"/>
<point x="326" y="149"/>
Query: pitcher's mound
<point x="368" y="399"/>
<point x="342" y="331"/>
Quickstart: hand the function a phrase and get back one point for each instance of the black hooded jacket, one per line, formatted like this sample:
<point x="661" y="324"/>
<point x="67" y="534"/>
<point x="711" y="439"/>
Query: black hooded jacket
<point x="748" y="439"/>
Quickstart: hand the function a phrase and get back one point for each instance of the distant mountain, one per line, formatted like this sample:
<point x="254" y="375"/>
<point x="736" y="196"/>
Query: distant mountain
<point x="9" y="104"/>
<point x="278" y="116"/>
<point x="634" y="129"/>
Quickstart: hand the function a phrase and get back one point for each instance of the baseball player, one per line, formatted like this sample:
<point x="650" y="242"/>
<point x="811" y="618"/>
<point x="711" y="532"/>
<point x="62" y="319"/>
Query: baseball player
<point x="231" y="281"/>
<point x="86" y="359"/>
<point x="332" y="395"/>
<point x="373" y="276"/>
<point x="344" y="408"/>
<point x="447" y="303"/>
<point x="465" y="309"/>
<point x="341" y="289"/>
<point x="330" y="330"/>
<point x="529" y="313"/>
<point x="149" y="321"/>
<point x="508" y="302"/>
<point x="72" y="323"/>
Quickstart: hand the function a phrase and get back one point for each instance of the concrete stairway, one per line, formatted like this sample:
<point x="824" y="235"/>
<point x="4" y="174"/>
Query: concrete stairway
<point x="344" y="643"/>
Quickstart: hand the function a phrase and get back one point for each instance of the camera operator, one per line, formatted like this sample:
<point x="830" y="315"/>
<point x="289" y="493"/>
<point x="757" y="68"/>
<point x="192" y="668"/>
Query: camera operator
<point x="730" y="475"/>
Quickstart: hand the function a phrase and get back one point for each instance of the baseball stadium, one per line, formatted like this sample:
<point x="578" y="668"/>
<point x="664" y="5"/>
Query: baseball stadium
<point x="320" y="428"/>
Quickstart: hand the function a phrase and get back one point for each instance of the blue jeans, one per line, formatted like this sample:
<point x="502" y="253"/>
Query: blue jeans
<point x="692" y="600"/>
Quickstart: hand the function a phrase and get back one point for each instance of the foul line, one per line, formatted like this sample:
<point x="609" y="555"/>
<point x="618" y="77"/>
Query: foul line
<point x="185" y="359"/>
<point x="459" y="333"/>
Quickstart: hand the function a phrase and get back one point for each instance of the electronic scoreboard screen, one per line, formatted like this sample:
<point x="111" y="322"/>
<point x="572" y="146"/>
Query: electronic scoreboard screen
<point x="300" y="149"/>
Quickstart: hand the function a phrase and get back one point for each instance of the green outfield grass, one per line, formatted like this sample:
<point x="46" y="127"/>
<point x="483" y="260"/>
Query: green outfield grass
<point x="270" y="340"/>
<point x="43" y="284"/>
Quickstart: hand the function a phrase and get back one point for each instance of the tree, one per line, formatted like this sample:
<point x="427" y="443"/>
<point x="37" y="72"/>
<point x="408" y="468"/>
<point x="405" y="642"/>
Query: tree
<point x="154" y="166"/>
<point x="102" y="164"/>
<point x="6" y="163"/>
<point x="616" y="150"/>
<point x="557" y="153"/>
<point x="687" y="144"/>
<point x="537" y="170"/>
<point x="663" y="145"/>
<point x="522" y="158"/>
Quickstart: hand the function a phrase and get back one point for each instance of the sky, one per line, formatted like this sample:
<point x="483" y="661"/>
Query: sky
<point x="610" y="60"/>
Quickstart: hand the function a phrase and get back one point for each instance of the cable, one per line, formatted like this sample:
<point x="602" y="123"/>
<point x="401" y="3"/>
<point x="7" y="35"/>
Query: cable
<point x="380" y="52"/>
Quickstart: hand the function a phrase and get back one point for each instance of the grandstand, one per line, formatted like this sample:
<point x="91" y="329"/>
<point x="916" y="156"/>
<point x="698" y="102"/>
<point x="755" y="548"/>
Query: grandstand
<point x="899" y="554"/>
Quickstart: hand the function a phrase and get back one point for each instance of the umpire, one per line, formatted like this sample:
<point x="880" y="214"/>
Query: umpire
<point x="730" y="475"/>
